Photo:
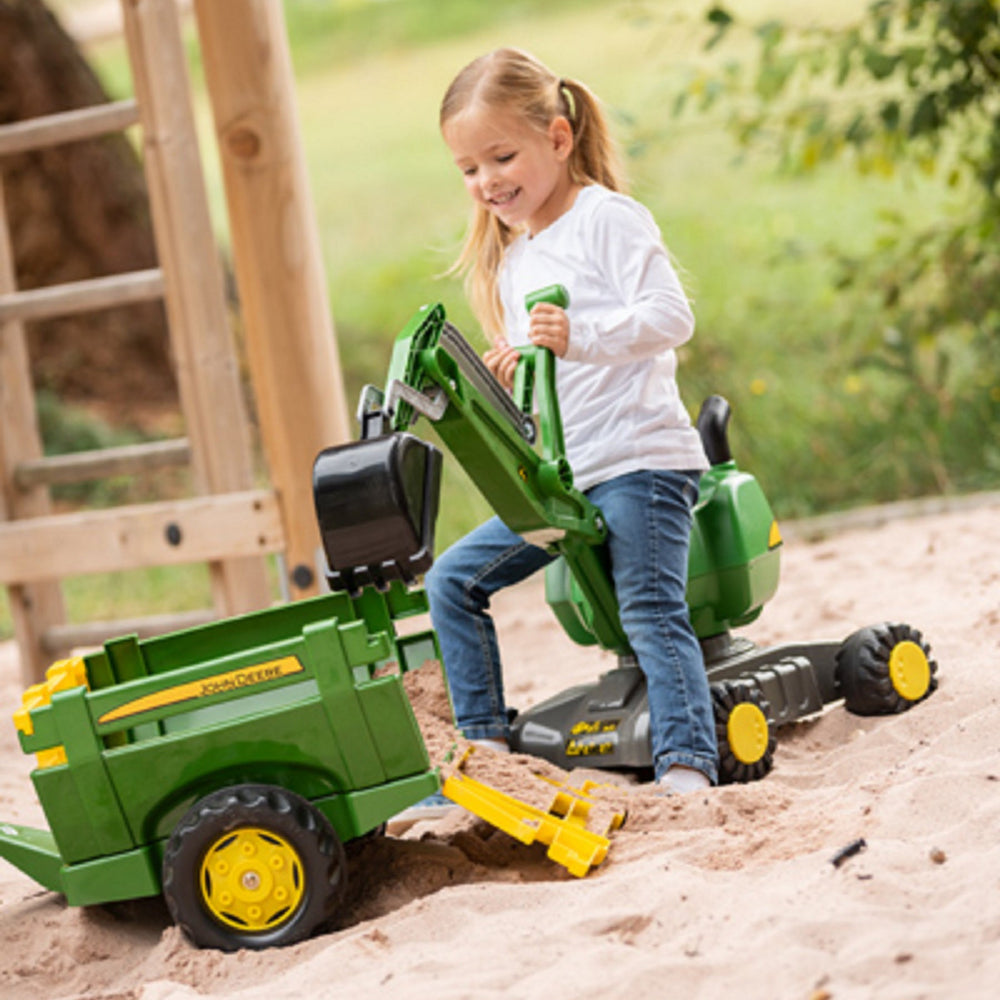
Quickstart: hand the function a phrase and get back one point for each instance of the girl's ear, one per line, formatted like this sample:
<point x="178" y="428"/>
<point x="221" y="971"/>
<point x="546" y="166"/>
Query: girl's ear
<point x="561" y="137"/>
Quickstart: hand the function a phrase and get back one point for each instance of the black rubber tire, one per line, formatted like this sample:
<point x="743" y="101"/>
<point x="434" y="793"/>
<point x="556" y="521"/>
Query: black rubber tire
<point x="265" y="807"/>
<point x="862" y="671"/>
<point x="727" y="696"/>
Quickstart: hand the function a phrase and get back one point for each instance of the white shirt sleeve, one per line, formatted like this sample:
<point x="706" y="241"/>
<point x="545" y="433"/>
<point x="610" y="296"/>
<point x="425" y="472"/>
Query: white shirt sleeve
<point x="648" y="312"/>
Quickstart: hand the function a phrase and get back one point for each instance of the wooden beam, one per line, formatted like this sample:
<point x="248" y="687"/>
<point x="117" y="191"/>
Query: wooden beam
<point x="39" y="606"/>
<point x="82" y="296"/>
<point x="102" y="463"/>
<point x="67" y="126"/>
<point x="169" y="533"/>
<point x="207" y="370"/>
<point x="291" y="344"/>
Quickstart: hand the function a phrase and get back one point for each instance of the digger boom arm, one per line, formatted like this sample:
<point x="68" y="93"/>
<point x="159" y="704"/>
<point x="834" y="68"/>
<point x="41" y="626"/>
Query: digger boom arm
<point x="492" y="436"/>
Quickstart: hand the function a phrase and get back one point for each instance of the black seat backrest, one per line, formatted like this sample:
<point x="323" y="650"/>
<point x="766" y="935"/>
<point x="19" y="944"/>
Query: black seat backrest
<point x="713" y="422"/>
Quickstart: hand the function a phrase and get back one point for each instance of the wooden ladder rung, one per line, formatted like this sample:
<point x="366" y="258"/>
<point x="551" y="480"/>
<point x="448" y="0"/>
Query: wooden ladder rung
<point x="59" y="639"/>
<point x="67" y="126"/>
<point x="84" y="466"/>
<point x="165" y="533"/>
<point x="82" y="296"/>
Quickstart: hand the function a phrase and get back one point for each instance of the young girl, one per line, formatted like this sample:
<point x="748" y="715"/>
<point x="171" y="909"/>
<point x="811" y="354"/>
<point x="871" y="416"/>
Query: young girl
<point x="539" y="164"/>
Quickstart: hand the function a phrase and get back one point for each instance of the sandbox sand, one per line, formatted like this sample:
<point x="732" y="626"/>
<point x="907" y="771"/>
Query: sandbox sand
<point x="727" y="893"/>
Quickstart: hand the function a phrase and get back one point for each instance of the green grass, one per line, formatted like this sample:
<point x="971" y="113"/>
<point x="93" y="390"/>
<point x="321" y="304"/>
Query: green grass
<point x="345" y="32"/>
<point x="111" y="596"/>
<point x="819" y="432"/>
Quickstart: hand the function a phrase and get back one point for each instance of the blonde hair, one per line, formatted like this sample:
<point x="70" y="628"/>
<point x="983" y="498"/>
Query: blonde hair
<point x="514" y="81"/>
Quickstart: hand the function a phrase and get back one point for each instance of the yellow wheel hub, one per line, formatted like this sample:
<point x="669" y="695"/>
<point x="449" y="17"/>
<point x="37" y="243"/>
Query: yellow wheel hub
<point x="252" y="879"/>
<point x="909" y="670"/>
<point x="747" y="733"/>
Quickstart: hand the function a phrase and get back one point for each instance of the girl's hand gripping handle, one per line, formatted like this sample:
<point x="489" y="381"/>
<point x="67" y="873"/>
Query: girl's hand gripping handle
<point x="538" y="367"/>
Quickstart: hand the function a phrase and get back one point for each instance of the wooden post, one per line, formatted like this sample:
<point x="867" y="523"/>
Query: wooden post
<point x="34" y="607"/>
<point x="291" y="345"/>
<point x="207" y="373"/>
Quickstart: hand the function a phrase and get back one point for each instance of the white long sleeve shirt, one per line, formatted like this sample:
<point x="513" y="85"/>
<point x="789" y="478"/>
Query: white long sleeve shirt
<point x="621" y="408"/>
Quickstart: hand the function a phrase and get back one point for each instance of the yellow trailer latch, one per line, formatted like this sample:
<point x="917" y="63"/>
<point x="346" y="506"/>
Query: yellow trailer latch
<point x="61" y="676"/>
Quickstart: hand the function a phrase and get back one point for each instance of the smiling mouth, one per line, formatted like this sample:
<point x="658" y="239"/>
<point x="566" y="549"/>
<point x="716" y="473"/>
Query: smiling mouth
<point x="501" y="200"/>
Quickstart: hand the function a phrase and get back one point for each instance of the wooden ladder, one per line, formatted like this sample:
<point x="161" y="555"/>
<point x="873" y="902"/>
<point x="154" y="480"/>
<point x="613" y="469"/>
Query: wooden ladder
<point x="229" y="524"/>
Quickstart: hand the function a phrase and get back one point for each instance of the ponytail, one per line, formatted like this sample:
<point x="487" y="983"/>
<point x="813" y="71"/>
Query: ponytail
<point x="595" y="158"/>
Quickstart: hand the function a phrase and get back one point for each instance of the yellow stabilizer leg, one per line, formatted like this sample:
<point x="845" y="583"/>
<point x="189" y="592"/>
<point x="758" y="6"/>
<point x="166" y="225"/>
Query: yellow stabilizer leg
<point x="563" y="828"/>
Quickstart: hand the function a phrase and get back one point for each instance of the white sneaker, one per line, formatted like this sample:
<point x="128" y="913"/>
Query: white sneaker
<point x="681" y="780"/>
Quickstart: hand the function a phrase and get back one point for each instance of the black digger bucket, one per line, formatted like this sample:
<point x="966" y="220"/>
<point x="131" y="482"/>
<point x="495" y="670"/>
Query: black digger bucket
<point x="377" y="503"/>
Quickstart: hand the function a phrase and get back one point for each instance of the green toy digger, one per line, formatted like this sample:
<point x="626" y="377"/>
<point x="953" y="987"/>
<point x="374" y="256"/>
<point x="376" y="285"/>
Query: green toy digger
<point x="523" y="473"/>
<point x="227" y="766"/>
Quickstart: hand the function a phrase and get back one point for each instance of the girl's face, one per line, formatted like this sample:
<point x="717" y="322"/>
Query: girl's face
<point x="515" y="171"/>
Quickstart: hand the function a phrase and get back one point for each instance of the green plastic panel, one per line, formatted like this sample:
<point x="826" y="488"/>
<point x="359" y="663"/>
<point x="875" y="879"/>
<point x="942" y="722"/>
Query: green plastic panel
<point x="131" y="875"/>
<point x="34" y="852"/>
<point x="356" y="813"/>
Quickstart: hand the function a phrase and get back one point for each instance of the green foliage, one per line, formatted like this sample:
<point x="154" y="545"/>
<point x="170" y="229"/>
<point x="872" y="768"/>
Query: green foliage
<point x="922" y="70"/>
<point x="912" y="87"/>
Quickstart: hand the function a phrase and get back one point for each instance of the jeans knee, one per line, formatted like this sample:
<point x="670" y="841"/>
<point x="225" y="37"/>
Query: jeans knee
<point x="438" y="584"/>
<point x="445" y="586"/>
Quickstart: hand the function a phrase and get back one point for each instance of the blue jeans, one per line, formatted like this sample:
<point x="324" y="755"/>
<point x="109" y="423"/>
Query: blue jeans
<point x="648" y="515"/>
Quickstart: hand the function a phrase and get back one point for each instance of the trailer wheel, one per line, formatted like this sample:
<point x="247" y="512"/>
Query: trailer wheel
<point x="885" y="669"/>
<point x="743" y="732"/>
<point x="252" y="866"/>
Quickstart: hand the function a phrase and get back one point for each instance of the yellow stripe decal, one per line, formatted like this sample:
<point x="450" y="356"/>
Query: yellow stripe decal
<point x="232" y="680"/>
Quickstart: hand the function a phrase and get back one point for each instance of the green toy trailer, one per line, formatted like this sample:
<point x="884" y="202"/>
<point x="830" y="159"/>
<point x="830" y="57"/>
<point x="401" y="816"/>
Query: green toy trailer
<point x="733" y="570"/>
<point x="227" y="765"/>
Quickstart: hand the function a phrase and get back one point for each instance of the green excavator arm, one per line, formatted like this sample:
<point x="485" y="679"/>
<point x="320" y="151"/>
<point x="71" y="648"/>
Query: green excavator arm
<point x="520" y="467"/>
